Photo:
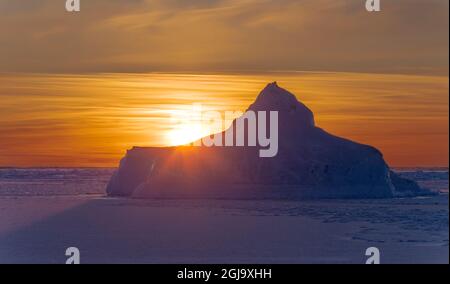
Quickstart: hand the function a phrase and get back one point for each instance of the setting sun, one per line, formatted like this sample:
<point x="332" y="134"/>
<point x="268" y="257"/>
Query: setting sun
<point x="185" y="134"/>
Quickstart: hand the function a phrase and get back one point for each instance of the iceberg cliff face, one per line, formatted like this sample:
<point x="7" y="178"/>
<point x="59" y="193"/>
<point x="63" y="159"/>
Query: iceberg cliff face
<point x="310" y="163"/>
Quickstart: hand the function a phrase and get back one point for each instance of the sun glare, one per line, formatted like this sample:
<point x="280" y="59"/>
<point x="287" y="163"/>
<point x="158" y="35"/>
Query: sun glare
<point x="185" y="134"/>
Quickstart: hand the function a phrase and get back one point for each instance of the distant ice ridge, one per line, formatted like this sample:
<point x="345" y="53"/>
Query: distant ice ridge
<point x="53" y="181"/>
<point x="311" y="163"/>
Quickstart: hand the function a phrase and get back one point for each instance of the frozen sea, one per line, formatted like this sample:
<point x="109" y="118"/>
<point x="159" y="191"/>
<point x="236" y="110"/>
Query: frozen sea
<point x="45" y="211"/>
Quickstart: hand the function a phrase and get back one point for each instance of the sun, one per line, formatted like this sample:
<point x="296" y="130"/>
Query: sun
<point x="185" y="134"/>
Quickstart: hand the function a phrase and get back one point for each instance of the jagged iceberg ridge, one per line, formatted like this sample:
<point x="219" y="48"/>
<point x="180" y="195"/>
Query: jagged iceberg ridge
<point x="310" y="163"/>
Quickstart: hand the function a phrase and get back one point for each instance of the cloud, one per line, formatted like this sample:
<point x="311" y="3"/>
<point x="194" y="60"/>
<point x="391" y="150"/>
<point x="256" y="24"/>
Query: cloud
<point x="408" y="36"/>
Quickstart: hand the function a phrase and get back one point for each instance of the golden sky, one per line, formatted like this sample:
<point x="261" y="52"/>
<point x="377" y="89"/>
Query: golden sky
<point x="78" y="89"/>
<point x="90" y="120"/>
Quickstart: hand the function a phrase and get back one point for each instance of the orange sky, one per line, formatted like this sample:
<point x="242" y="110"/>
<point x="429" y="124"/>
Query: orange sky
<point x="90" y="120"/>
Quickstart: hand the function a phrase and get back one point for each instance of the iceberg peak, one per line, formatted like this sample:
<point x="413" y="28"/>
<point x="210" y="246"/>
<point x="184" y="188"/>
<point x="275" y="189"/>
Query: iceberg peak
<point x="275" y="98"/>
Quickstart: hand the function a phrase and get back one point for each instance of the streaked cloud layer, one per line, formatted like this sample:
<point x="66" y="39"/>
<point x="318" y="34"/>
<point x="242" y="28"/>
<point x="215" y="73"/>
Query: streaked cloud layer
<point x="90" y="120"/>
<point x="408" y="36"/>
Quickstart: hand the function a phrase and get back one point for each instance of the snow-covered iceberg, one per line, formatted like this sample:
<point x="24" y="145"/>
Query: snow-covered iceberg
<point x="310" y="163"/>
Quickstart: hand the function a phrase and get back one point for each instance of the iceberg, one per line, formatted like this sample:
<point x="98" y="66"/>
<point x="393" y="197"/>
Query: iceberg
<point x="310" y="163"/>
